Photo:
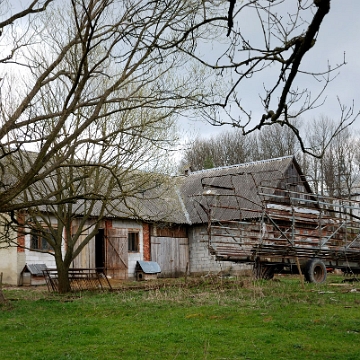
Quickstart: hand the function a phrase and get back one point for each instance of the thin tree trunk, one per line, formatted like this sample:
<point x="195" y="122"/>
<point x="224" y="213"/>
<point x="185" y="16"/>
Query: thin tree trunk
<point x="63" y="277"/>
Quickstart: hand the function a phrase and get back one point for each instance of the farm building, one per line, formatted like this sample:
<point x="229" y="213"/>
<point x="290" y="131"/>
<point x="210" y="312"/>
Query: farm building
<point x="170" y="229"/>
<point x="223" y="198"/>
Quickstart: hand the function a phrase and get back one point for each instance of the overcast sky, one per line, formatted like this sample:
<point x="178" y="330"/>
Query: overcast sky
<point x="339" y="34"/>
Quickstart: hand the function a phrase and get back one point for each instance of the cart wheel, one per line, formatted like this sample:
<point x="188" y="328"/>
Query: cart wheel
<point x="315" y="271"/>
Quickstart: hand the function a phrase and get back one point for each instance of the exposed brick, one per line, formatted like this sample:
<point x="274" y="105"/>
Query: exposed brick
<point x="108" y="225"/>
<point x="146" y="242"/>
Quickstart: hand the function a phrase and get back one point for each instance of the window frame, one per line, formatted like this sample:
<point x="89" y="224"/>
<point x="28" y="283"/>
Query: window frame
<point x="133" y="241"/>
<point x="41" y="242"/>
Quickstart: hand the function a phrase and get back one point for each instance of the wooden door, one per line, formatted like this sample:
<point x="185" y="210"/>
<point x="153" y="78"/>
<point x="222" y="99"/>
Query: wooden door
<point x="85" y="258"/>
<point x="172" y="254"/>
<point x="117" y="253"/>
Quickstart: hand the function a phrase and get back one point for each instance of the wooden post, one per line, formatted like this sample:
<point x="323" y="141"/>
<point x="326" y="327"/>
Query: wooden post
<point x="2" y="297"/>
<point x="300" y="273"/>
<point x="186" y="272"/>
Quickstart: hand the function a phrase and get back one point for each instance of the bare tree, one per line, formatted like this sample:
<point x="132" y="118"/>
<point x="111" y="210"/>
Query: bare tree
<point x="264" y="60"/>
<point x="277" y="141"/>
<point x="233" y="147"/>
<point x="226" y="148"/>
<point x="112" y="178"/>
<point x="73" y="46"/>
<point x="67" y="66"/>
<point x="34" y="7"/>
<point x="81" y="62"/>
<point x="336" y="173"/>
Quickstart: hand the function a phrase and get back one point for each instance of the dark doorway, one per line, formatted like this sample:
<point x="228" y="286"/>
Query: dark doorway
<point x="100" y="250"/>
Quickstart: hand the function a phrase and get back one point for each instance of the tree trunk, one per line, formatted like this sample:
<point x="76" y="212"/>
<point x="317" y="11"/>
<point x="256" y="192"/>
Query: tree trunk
<point x="63" y="277"/>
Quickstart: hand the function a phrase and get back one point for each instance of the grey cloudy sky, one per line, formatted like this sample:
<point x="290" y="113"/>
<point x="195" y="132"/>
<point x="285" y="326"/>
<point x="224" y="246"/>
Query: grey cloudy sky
<point x="339" y="34"/>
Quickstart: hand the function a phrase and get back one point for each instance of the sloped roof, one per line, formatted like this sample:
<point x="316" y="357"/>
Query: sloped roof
<point x="143" y="196"/>
<point x="162" y="203"/>
<point x="184" y="199"/>
<point x="215" y="189"/>
<point x="149" y="267"/>
<point x="35" y="269"/>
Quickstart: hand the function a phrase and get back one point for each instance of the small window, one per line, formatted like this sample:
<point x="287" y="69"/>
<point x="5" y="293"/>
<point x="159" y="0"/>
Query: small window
<point x="133" y="241"/>
<point x="38" y="239"/>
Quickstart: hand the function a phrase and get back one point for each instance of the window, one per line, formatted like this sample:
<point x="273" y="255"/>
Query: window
<point x="133" y="241"/>
<point x="38" y="239"/>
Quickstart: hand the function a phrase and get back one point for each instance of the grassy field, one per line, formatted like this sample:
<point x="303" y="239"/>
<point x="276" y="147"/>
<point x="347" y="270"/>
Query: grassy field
<point x="208" y="318"/>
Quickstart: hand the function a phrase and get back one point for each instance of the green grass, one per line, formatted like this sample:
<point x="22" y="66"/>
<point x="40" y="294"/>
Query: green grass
<point x="212" y="319"/>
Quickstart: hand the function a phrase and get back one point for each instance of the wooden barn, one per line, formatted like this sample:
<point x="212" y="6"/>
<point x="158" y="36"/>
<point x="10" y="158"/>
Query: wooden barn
<point x="171" y="228"/>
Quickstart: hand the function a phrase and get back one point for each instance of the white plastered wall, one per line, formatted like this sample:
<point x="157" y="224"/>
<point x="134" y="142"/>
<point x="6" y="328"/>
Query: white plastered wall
<point x="9" y="265"/>
<point x="133" y="257"/>
<point x="11" y="261"/>
<point x="36" y="257"/>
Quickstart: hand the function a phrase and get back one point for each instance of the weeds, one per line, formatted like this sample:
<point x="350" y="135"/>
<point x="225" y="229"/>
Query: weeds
<point x="204" y="318"/>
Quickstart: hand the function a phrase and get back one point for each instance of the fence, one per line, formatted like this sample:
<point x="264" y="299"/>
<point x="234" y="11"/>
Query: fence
<point x="80" y="279"/>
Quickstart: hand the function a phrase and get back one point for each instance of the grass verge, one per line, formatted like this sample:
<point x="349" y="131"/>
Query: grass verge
<point x="208" y="318"/>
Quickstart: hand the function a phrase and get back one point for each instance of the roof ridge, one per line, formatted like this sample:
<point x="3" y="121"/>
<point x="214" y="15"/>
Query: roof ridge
<point x="243" y="164"/>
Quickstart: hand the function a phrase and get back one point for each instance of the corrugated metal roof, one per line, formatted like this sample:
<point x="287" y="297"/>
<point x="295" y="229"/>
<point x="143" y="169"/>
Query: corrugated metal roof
<point x="162" y="203"/>
<point x="35" y="269"/>
<point x="149" y="267"/>
<point x="154" y="199"/>
<point x="215" y="189"/>
<point x="180" y="200"/>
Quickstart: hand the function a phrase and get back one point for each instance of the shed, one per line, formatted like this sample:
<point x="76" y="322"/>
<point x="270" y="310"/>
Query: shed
<point x="32" y="274"/>
<point x="147" y="270"/>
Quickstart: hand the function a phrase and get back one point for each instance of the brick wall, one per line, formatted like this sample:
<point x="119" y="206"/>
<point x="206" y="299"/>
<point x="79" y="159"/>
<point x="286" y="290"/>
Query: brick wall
<point x="146" y="242"/>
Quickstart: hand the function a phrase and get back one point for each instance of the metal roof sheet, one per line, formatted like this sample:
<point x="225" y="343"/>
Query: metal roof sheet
<point x="181" y="200"/>
<point x="35" y="269"/>
<point x="149" y="267"/>
<point x="215" y="189"/>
